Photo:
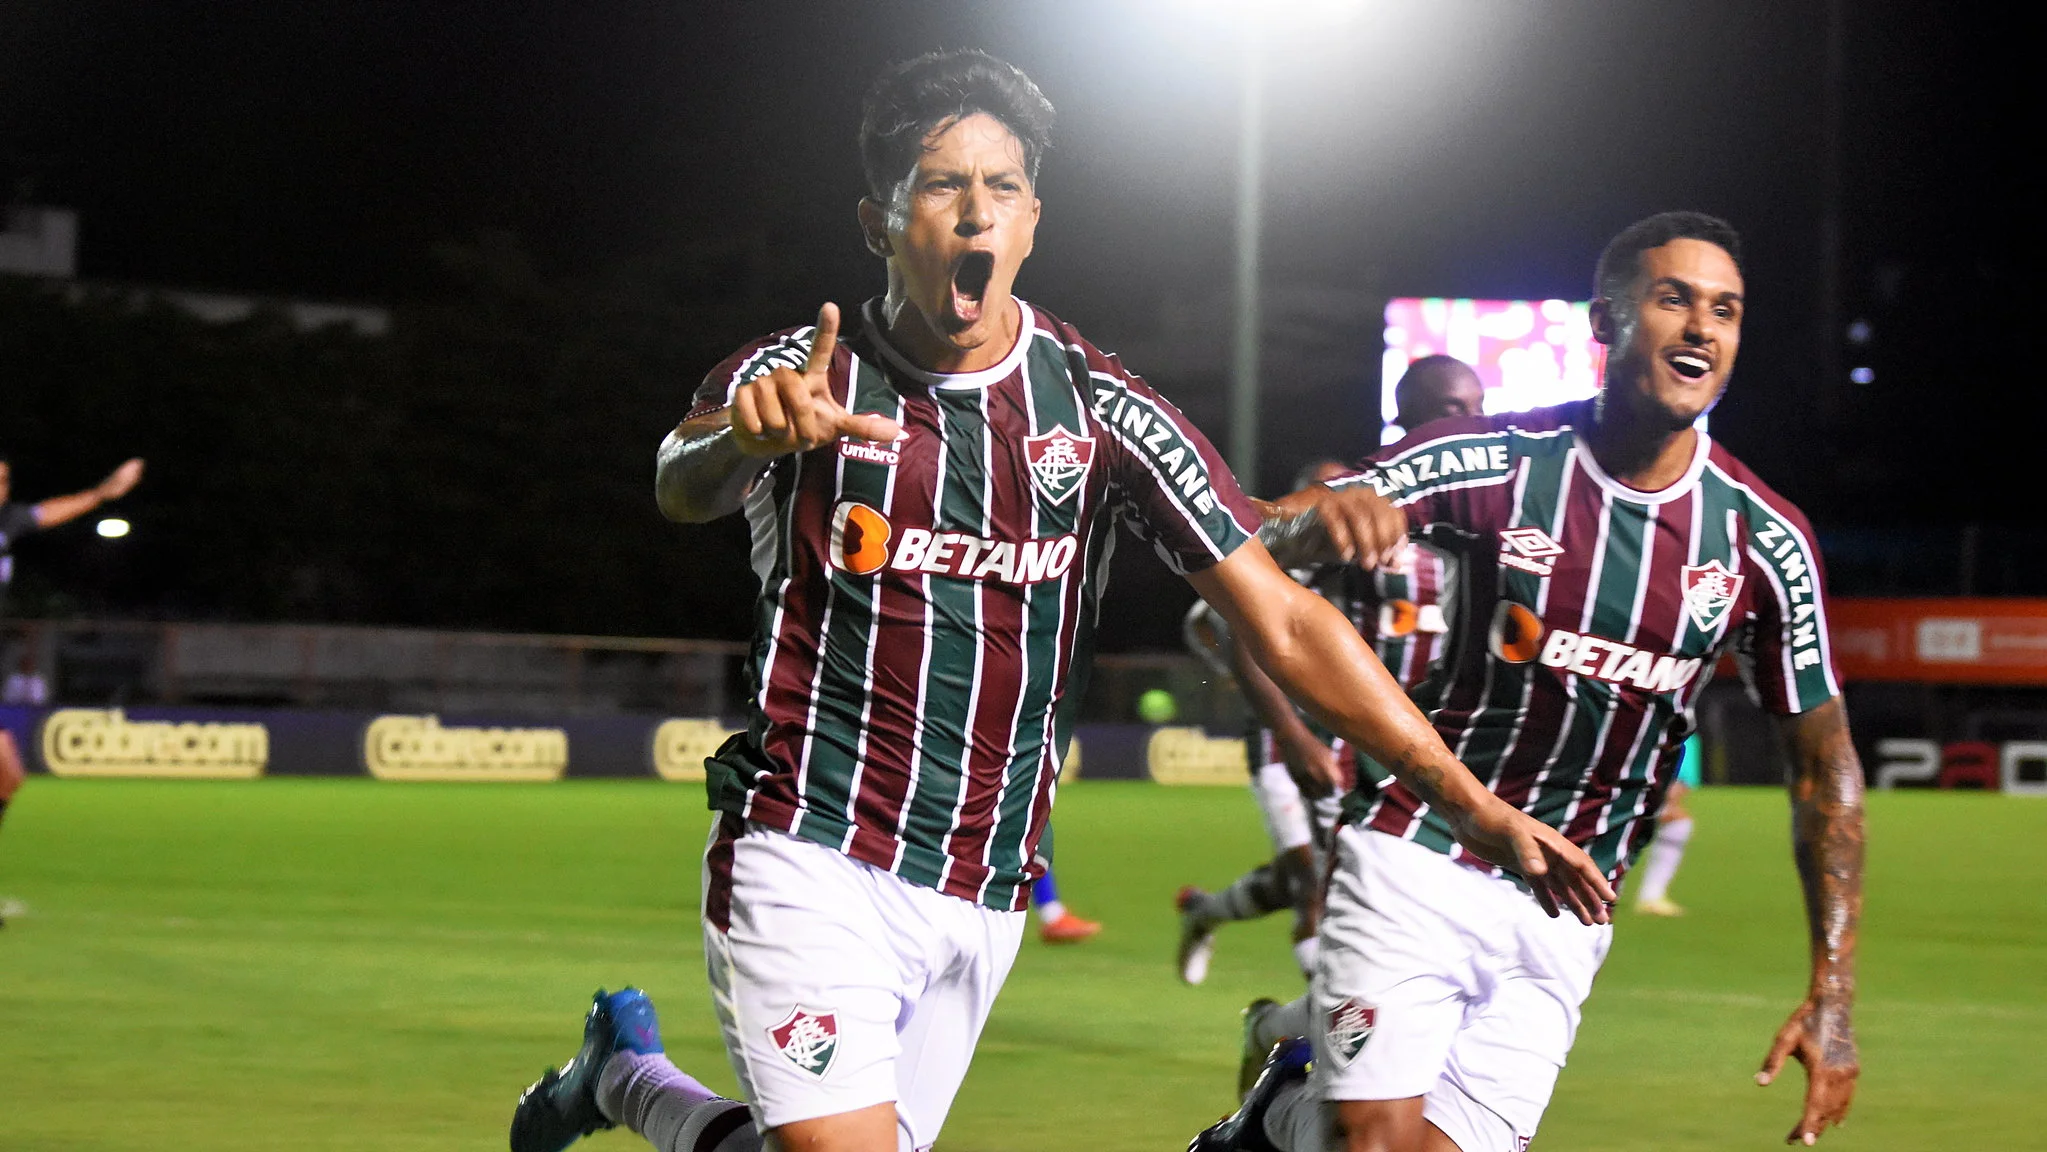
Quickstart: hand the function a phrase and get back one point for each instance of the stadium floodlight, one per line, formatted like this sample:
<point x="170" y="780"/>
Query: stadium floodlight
<point x="113" y="527"/>
<point x="1254" y="23"/>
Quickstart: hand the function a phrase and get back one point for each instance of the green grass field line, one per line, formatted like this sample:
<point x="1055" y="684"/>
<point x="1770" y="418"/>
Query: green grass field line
<point x="343" y="964"/>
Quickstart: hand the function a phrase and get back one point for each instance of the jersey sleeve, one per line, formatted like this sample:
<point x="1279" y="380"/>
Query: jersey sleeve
<point x="1168" y="483"/>
<point x="789" y="348"/>
<point x="1784" y="650"/>
<point x="1440" y="473"/>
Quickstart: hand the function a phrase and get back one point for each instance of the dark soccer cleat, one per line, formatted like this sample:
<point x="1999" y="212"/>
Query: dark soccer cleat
<point x="1244" y="1129"/>
<point x="1197" y="936"/>
<point x="1252" y="1057"/>
<point x="561" y="1107"/>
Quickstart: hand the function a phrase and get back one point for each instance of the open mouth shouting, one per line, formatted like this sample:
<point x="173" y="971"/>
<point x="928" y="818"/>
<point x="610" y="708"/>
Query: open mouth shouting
<point x="971" y="272"/>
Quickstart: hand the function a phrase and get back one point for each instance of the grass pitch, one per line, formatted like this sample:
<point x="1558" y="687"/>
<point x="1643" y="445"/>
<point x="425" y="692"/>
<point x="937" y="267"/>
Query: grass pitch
<point x="327" y="965"/>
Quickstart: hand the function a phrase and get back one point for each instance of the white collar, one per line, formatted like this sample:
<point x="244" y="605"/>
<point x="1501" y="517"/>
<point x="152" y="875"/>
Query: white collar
<point x="1026" y="323"/>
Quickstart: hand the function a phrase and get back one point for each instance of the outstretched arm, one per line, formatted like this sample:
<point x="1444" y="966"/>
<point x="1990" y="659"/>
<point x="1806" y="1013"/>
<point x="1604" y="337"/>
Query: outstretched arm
<point x="706" y="465"/>
<point x="1309" y="761"/>
<point x="1319" y="660"/>
<point x="1827" y="839"/>
<point x="63" y="509"/>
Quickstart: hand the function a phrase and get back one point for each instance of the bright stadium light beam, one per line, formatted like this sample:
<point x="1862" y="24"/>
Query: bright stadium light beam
<point x="113" y="528"/>
<point x="1254" y="23"/>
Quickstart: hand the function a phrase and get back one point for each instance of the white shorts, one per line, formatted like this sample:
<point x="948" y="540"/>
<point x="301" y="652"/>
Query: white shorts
<point x="1440" y="981"/>
<point x="841" y="986"/>
<point x="1291" y="819"/>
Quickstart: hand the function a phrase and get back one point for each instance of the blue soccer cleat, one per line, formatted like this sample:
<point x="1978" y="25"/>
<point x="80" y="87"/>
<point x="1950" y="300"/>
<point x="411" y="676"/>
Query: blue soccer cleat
<point x="1244" y="1129"/>
<point x="561" y="1107"/>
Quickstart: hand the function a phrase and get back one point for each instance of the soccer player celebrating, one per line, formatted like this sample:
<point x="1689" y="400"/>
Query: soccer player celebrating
<point x="932" y="499"/>
<point x="1298" y="770"/>
<point x="18" y="520"/>
<point x="1612" y="553"/>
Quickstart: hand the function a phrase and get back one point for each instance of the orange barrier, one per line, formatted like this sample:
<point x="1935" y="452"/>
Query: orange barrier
<point x="1957" y="640"/>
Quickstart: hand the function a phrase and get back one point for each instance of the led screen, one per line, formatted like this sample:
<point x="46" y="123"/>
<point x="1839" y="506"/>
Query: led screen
<point x="1528" y="353"/>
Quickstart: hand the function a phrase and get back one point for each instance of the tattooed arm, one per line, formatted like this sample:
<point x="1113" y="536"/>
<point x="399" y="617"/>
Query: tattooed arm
<point x="1318" y="659"/>
<point x="1827" y="839"/>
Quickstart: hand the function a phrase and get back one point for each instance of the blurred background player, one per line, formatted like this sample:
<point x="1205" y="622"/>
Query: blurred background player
<point x="1398" y="608"/>
<point x="1056" y="923"/>
<point x="18" y="520"/>
<point x="1673" y="831"/>
<point x="1296" y="780"/>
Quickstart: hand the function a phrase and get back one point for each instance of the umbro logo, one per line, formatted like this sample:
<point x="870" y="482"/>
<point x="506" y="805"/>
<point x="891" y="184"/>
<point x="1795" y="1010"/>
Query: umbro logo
<point x="1529" y="549"/>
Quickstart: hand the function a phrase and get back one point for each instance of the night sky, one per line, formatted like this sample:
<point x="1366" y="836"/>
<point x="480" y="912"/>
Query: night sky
<point x="1446" y="148"/>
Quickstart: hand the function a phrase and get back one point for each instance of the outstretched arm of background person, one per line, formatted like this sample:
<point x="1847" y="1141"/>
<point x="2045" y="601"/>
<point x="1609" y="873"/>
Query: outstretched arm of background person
<point x="1309" y="761"/>
<point x="706" y="465"/>
<point x="63" y="509"/>
<point x="1319" y="660"/>
<point x="1827" y="838"/>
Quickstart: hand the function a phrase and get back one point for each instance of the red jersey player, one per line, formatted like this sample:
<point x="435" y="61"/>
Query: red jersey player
<point x="933" y="489"/>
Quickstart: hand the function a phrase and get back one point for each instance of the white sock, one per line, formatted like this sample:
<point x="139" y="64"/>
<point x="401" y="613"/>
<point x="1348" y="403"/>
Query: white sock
<point x="1051" y="912"/>
<point x="1289" y="1019"/>
<point x="1666" y="852"/>
<point x="1298" y="1122"/>
<point x="1305" y="952"/>
<point x="650" y="1095"/>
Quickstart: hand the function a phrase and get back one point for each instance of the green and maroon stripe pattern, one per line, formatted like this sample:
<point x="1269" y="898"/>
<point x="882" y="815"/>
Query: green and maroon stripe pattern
<point x="915" y="716"/>
<point x="1581" y="724"/>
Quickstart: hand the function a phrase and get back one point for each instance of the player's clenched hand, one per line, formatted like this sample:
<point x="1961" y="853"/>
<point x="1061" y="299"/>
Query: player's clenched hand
<point x="1819" y="1036"/>
<point x="1352" y="523"/>
<point x="788" y="411"/>
<point x="1558" y="872"/>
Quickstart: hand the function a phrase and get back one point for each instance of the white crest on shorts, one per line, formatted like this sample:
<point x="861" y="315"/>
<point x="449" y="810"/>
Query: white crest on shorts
<point x="809" y="1038"/>
<point x="1350" y="1025"/>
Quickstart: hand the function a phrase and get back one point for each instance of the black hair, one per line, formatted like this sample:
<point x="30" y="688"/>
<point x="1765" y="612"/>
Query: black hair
<point x="1622" y="259"/>
<point x="1423" y="366"/>
<point x="915" y="97"/>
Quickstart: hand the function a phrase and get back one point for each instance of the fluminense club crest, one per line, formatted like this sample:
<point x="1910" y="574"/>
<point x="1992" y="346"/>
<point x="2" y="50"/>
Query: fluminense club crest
<point x="1059" y="462"/>
<point x="1710" y="590"/>
<point x="1350" y="1025"/>
<point x="808" y="1038"/>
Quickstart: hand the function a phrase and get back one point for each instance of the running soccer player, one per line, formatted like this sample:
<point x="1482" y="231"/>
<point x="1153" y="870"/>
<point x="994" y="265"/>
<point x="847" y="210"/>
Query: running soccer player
<point x="1612" y="552"/>
<point x="932" y="500"/>
<point x="18" y="520"/>
<point x="1299" y="772"/>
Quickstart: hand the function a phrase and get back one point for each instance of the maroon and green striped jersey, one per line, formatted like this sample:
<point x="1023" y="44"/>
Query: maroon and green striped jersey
<point x="1591" y="616"/>
<point x="928" y="606"/>
<point x="1402" y="611"/>
<point x="1399" y="610"/>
